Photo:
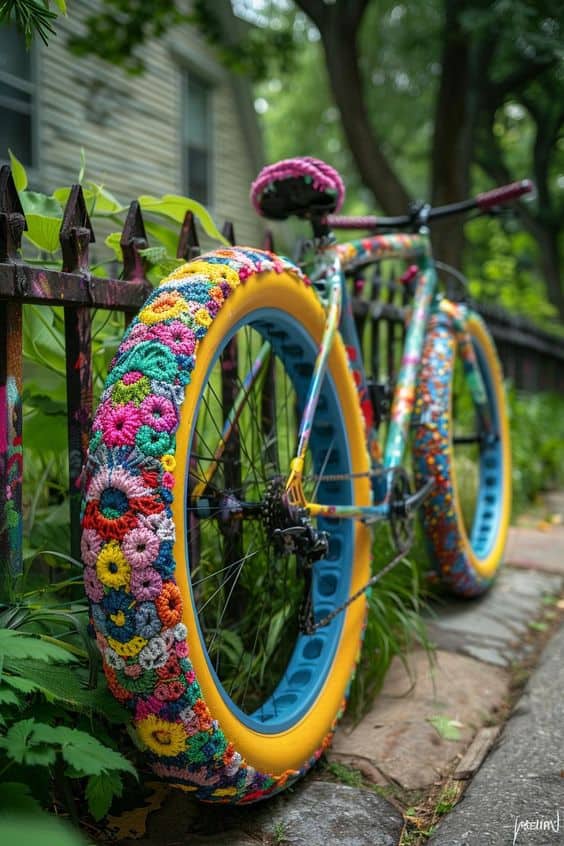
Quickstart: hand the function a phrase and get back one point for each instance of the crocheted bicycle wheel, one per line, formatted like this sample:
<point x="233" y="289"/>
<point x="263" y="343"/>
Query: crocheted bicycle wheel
<point x="466" y="517"/>
<point x="199" y="573"/>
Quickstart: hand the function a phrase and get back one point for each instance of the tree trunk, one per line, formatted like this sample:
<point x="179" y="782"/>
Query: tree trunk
<point x="339" y="40"/>
<point x="452" y="141"/>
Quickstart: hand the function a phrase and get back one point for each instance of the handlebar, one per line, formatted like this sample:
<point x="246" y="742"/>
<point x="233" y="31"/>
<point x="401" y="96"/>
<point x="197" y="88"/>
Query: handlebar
<point x="424" y="213"/>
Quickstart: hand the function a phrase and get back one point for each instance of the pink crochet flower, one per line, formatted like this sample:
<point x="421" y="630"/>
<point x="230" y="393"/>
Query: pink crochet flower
<point x="140" y="547"/>
<point x="176" y="335"/>
<point x="146" y="707"/>
<point x="158" y="413"/>
<point x="90" y="546"/>
<point x="120" y="425"/>
<point x="145" y="584"/>
<point x="92" y="585"/>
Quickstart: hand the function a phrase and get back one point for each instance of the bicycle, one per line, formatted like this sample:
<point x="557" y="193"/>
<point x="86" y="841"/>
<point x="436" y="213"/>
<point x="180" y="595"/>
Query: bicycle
<point x="235" y="472"/>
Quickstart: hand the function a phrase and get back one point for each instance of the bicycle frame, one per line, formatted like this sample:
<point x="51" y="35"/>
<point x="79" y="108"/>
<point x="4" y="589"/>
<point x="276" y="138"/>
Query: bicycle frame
<point x="328" y="277"/>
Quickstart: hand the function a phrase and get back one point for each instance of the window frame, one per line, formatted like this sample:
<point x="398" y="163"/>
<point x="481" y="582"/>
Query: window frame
<point x="187" y="73"/>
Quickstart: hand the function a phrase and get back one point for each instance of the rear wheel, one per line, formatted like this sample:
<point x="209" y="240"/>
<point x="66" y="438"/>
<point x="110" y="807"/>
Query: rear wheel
<point x="253" y="699"/>
<point x="467" y="515"/>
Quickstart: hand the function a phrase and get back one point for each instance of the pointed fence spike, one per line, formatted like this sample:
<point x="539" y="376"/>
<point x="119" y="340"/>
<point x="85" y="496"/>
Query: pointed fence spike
<point x="12" y="217"/>
<point x="133" y="238"/>
<point x="228" y="232"/>
<point x="188" y="242"/>
<point x="76" y="232"/>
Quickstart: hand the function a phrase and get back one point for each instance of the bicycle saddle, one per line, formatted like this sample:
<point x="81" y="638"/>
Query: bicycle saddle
<point x="305" y="187"/>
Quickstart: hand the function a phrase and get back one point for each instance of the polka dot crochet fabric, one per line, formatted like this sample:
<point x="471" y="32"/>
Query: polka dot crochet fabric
<point x="128" y="532"/>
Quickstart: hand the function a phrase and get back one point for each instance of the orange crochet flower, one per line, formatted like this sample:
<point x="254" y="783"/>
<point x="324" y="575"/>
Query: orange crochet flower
<point x="169" y="605"/>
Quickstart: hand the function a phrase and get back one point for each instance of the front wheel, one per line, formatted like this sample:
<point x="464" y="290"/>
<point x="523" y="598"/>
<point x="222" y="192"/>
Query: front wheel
<point x="198" y="569"/>
<point x="466" y="517"/>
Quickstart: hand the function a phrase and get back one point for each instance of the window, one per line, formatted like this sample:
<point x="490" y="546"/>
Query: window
<point x="197" y="139"/>
<point x="17" y="91"/>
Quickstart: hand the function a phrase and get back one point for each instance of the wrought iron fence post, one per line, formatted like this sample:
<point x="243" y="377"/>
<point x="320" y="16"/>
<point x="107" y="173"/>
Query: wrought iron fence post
<point x="12" y="225"/>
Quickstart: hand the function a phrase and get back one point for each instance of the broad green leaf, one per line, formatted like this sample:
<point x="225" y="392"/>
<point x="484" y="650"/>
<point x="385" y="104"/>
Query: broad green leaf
<point x="174" y="207"/>
<point x="16" y="798"/>
<point x="42" y="829"/>
<point x="60" y="684"/>
<point x="113" y="242"/>
<point x="18" y="646"/>
<point x="8" y="697"/>
<point x="17" y="740"/>
<point x="18" y="172"/>
<point x="23" y="685"/>
<point x="35" y="203"/>
<point x="104" y="202"/>
<point x="163" y="235"/>
<point x="100" y="792"/>
<point x="43" y="232"/>
<point x="82" y="751"/>
<point x="447" y="728"/>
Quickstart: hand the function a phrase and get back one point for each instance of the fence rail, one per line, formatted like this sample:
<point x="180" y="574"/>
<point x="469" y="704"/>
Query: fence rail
<point x="533" y="359"/>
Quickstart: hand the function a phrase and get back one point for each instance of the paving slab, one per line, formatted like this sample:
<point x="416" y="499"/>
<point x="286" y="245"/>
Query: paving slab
<point x="491" y="628"/>
<point x="397" y="739"/>
<point x="536" y="549"/>
<point x="316" y="813"/>
<point x="517" y="797"/>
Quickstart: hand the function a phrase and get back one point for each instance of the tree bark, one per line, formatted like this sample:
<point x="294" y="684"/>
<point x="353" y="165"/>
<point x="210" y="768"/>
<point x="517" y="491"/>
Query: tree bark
<point x="339" y="27"/>
<point x="453" y="134"/>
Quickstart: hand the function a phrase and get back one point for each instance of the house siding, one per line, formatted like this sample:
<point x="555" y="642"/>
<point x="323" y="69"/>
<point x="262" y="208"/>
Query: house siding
<point x="131" y="126"/>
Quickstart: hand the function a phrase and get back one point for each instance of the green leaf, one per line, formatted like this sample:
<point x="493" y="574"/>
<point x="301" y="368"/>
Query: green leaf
<point x="103" y="202"/>
<point x="20" y="646"/>
<point x="538" y="625"/>
<point x="82" y="751"/>
<point x="16" y="797"/>
<point x="35" y="203"/>
<point x="154" y="255"/>
<point x="18" y="172"/>
<point x="22" y="685"/>
<point x="8" y="697"/>
<point x="174" y="207"/>
<point x="42" y="829"/>
<point x="43" y="232"/>
<point x="164" y="235"/>
<point x="18" y="743"/>
<point x="448" y="729"/>
<point x="113" y="242"/>
<point x="100" y="792"/>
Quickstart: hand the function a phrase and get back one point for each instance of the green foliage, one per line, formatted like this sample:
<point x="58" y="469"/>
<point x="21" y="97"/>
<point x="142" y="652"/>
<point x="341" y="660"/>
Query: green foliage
<point x="32" y="17"/>
<point x="394" y="622"/>
<point x="537" y="442"/>
<point x="53" y="714"/>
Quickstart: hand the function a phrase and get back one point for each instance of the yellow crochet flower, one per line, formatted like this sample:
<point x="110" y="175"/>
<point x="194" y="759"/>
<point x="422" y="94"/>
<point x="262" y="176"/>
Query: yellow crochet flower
<point x="169" y="462"/>
<point x="162" y="737"/>
<point x="217" y="272"/>
<point x="130" y="649"/>
<point x="175" y="274"/>
<point x="167" y="305"/>
<point x="202" y="317"/>
<point x="111" y="566"/>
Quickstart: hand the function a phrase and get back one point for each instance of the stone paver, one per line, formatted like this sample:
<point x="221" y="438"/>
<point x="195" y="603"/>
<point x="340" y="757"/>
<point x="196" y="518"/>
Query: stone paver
<point x="396" y="737"/>
<point x="492" y="627"/>
<point x="315" y="814"/>
<point x="517" y="797"/>
<point x="536" y="550"/>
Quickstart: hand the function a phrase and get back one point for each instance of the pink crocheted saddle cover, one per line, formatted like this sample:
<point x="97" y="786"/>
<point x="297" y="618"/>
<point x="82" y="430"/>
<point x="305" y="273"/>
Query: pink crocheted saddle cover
<point x="302" y="186"/>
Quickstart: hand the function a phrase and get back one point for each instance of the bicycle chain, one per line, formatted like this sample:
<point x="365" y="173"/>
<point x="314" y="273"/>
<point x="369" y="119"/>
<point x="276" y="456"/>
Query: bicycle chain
<point x="311" y="628"/>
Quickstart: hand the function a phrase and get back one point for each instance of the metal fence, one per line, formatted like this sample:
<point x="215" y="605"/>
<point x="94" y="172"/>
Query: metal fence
<point x="533" y="359"/>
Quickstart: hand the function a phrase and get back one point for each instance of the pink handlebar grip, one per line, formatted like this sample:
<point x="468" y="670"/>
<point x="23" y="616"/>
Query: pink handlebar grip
<point x="504" y="194"/>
